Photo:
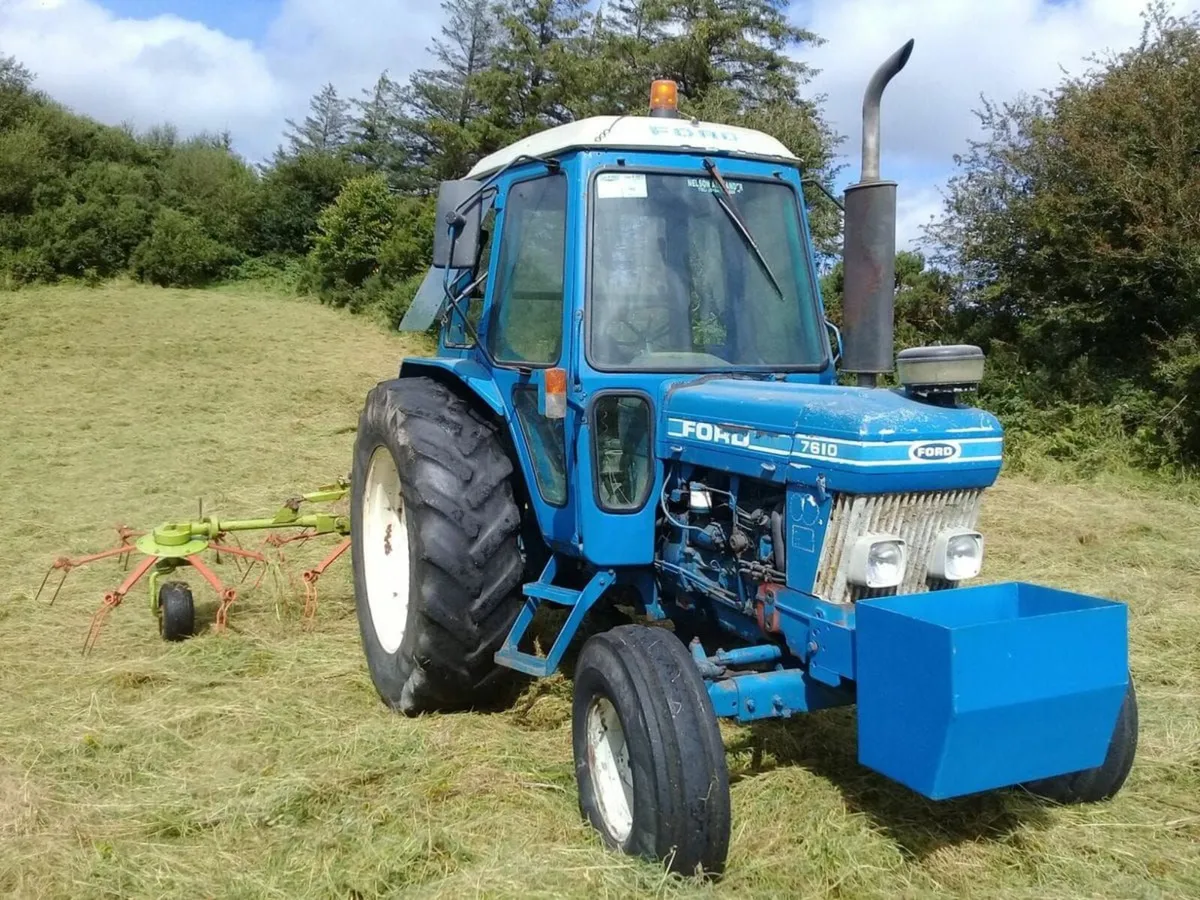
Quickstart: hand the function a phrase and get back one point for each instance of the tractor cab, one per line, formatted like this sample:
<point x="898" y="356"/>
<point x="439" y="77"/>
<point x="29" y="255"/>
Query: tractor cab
<point x="618" y="256"/>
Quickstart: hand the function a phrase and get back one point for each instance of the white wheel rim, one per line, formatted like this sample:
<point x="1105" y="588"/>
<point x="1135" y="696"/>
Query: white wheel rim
<point x="385" y="550"/>
<point x="608" y="761"/>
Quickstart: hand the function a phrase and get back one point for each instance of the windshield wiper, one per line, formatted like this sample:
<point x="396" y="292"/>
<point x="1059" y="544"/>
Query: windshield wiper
<point x="725" y="199"/>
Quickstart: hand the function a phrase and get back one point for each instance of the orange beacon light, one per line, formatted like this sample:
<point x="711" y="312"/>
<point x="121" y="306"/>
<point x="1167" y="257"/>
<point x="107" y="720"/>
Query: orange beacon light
<point x="664" y="98"/>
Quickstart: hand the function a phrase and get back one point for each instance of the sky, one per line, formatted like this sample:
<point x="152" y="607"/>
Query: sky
<point x="247" y="65"/>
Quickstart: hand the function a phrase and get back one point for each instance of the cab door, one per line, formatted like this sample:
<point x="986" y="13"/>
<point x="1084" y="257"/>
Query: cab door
<point x="528" y="299"/>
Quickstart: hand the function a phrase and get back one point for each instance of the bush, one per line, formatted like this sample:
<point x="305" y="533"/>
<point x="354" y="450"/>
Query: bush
<point x="25" y="266"/>
<point x="388" y="302"/>
<point x="284" y="272"/>
<point x="351" y="235"/>
<point x="178" y="253"/>
<point x="409" y="248"/>
<point x="1071" y="226"/>
<point x="292" y="194"/>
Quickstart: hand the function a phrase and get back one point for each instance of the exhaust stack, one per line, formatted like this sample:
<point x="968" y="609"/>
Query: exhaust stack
<point x="869" y="254"/>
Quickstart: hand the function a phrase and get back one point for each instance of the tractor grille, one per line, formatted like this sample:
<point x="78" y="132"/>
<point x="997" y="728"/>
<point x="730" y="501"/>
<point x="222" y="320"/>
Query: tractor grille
<point x="917" y="518"/>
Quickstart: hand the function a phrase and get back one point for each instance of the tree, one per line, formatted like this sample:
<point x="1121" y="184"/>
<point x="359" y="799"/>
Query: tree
<point x="528" y="87"/>
<point x="1072" y="228"/>
<point x="923" y="311"/>
<point x="14" y="75"/>
<point x="202" y="179"/>
<point x="376" y="132"/>
<point x="325" y="129"/>
<point x="446" y="116"/>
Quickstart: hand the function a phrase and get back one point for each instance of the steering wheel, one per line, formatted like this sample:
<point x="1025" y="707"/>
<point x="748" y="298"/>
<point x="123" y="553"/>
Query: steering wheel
<point x="644" y="330"/>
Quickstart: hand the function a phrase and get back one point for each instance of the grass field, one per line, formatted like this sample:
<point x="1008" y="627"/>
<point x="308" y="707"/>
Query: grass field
<point x="259" y="763"/>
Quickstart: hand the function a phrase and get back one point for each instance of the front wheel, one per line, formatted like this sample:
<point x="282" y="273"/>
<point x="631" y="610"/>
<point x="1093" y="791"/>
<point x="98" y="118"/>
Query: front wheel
<point x="1102" y="782"/>
<point x="648" y="753"/>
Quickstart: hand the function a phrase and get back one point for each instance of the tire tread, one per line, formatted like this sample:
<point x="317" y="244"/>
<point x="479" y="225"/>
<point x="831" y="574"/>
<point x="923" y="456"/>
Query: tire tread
<point x="456" y="484"/>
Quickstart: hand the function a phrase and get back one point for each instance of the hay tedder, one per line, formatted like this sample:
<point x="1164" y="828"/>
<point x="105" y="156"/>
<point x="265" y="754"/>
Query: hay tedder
<point x="174" y="545"/>
<point x="635" y="409"/>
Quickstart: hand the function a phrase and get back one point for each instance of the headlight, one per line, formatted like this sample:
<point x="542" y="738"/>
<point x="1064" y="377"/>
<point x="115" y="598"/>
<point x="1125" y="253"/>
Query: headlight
<point x="957" y="555"/>
<point x="876" y="561"/>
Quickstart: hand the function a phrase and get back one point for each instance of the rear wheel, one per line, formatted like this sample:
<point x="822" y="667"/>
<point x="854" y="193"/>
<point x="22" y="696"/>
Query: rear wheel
<point x="176" y="611"/>
<point x="434" y="547"/>
<point x="1102" y="782"/>
<point x="648" y="753"/>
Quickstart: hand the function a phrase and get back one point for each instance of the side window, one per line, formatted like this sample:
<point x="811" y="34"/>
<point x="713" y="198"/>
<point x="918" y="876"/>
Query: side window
<point x="547" y="447"/>
<point x="457" y="336"/>
<point x="624" y="469"/>
<point x="526" y="319"/>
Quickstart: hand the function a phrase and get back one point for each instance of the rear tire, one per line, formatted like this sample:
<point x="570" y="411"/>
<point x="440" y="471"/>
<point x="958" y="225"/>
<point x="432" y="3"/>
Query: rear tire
<point x="434" y="547"/>
<point x="1102" y="782"/>
<point x="176" y="611"/>
<point x="648" y="753"/>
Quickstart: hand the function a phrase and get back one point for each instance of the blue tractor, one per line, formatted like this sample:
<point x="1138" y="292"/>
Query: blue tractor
<point x="635" y="411"/>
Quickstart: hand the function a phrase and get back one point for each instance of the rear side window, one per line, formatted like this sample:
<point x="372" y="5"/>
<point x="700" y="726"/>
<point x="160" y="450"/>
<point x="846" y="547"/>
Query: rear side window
<point x="546" y="439"/>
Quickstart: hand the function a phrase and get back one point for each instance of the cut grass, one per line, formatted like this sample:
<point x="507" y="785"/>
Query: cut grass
<point x="260" y="763"/>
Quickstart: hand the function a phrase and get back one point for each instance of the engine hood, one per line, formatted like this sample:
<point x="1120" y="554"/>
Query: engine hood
<point x="859" y="439"/>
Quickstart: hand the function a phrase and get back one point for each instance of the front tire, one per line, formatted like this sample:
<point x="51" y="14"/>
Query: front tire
<point x="434" y="547"/>
<point x="648" y="753"/>
<point x="1102" y="782"/>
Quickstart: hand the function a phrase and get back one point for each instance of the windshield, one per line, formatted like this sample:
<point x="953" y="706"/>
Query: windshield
<point x="676" y="286"/>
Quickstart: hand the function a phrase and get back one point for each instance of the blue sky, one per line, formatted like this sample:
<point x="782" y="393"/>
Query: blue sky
<point x="246" y="65"/>
<point x="247" y="19"/>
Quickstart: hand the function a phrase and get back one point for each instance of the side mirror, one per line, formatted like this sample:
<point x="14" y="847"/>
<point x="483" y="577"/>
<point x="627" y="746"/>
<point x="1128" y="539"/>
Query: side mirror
<point x="456" y="232"/>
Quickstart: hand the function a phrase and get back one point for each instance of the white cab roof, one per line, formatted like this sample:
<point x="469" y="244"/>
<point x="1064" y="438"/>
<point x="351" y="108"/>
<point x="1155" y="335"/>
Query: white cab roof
<point x="642" y="132"/>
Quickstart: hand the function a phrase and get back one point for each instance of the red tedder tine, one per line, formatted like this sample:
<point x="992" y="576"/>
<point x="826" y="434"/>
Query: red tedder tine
<point x="312" y="575"/>
<point x="113" y="599"/>
<point x="67" y="564"/>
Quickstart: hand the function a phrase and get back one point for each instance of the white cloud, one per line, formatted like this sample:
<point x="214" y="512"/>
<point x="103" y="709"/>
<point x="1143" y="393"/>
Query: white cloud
<point x="918" y="202"/>
<point x="964" y="48"/>
<point x="147" y="71"/>
<point x="143" y="71"/>
<point x="349" y="43"/>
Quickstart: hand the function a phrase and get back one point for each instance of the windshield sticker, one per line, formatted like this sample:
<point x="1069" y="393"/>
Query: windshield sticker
<point x="620" y="185"/>
<point x="709" y="186"/>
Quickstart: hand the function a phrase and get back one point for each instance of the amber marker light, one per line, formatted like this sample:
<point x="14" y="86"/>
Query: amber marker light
<point x="555" y="395"/>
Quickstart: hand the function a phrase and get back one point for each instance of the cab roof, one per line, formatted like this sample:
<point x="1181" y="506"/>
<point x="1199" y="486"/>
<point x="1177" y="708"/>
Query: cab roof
<point x="640" y="133"/>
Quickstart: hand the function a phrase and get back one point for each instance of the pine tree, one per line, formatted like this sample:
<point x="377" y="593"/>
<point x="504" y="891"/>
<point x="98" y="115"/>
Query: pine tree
<point x="446" y="116"/>
<point x="376" y="132"/>
<point x="733" y="62"/>
<point x="325" y="129"/>
<point x="537" y="68"/>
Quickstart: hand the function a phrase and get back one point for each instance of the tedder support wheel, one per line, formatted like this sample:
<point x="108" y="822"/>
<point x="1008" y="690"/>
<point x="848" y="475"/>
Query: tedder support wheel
<point x="437" y="565"/>
<point x="648" y="753"/>
<point x="176" y="611"/>
<point x="1102" y="782"/>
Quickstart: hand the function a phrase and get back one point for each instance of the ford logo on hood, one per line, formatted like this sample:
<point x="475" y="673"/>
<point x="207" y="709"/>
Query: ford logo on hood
<point x="934" y="451"/>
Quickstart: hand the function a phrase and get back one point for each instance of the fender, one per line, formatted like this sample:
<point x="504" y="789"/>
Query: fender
<point x="470" y="373"/>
